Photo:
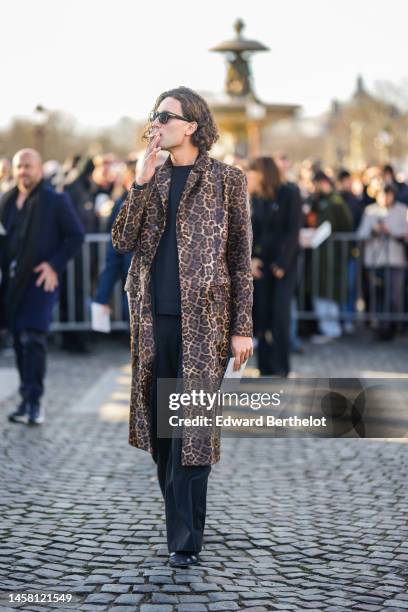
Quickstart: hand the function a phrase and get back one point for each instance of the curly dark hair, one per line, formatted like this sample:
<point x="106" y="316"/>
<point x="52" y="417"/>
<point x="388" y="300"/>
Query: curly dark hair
<point x="194" y="108"/>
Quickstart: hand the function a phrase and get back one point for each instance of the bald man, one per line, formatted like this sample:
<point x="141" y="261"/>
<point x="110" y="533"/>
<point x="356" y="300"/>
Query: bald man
<point x="42" y="233"/>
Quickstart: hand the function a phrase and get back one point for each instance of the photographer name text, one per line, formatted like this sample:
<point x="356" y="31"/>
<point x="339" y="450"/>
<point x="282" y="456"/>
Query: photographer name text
<point x="259" y="421"/>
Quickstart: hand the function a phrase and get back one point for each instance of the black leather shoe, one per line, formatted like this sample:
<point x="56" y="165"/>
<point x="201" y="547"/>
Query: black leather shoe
<point x="183" y="559"/>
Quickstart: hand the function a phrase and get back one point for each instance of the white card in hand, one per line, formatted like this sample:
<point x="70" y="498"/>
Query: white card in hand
<point x="2" y="229"/>
<point x="229" y="372"/>
<point x="100" y="319"/>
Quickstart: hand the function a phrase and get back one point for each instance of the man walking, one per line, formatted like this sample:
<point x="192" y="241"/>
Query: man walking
<point x="41" y="232"/>
<point x="190" y="296"/>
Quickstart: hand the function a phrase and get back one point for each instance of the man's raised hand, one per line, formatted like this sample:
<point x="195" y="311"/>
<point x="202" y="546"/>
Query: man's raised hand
<point x="148" y="165"/>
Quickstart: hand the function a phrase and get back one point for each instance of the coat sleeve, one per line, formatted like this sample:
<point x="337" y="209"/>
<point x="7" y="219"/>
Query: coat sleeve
<point x="239" y="247"/>
<point x="71" y="231"/>
<point x="125" y="229"/>
<point x="256" y="224"/>
<point x="365" y="227"/>
<point x="290" y="242"/>
<point x="111" y="273"/>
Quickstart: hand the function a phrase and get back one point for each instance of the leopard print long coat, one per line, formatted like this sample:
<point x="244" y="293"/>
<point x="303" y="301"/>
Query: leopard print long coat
<point x="214" y="239"/>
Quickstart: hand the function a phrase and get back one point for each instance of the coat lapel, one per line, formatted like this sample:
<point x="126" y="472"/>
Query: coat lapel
<point x="201" y="165"/>
<point x="163" y="178"/>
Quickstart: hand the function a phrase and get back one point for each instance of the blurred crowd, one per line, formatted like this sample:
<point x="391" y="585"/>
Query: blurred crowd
<point x="94" y="184"/>
<point x="370" y="206"/>
<point x="361" y="269"/>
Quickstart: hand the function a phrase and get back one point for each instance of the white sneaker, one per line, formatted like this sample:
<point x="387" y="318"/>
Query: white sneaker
<point x="36" y="414"/>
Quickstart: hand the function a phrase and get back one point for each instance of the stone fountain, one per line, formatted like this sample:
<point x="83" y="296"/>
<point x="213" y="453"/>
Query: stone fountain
<point x="240" y="115"/>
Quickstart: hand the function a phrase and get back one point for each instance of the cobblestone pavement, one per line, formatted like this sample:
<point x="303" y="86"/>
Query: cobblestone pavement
<point x="292" y="524"/>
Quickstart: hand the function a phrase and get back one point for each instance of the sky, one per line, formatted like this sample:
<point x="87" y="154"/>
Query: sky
<point x="101" y="60"/>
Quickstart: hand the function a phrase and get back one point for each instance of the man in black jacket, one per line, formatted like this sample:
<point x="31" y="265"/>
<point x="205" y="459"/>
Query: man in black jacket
<point x="41" y="234"/>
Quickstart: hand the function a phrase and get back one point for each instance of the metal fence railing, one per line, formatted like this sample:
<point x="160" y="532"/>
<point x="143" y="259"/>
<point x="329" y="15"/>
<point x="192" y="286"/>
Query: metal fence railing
<point x="78" y="288"/>
<point x="334" y="271"/>
<point x="337" y="271"/>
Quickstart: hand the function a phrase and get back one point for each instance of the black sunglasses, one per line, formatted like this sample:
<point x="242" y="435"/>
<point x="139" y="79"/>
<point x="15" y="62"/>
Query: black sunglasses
<point x="165" y="116"/>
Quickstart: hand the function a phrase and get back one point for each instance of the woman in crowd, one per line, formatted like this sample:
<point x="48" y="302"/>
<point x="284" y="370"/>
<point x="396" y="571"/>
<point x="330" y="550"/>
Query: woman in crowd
<point x="384" y="228"/>
<point x="276" y="220"/>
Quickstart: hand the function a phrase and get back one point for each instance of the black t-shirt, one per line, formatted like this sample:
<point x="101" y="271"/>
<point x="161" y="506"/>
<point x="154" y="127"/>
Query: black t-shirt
<point x="165" y="274"/>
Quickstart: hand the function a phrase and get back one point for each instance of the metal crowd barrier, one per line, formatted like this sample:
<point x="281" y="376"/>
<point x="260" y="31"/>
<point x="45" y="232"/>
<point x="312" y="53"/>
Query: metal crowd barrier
<point x="74" y="309"/>
<point x="363" y="294"/>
